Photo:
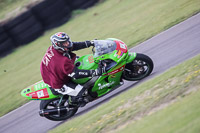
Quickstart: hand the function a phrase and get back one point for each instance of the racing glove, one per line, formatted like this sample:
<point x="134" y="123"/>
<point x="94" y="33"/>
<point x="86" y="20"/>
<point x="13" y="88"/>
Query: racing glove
<point x="89" y="43"/>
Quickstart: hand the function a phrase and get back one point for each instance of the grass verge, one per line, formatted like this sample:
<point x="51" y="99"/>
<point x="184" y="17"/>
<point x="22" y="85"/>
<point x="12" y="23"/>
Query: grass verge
<point x="128" y="20"/>
<point x="11" y="8"/>
<point x="168" y="103"/>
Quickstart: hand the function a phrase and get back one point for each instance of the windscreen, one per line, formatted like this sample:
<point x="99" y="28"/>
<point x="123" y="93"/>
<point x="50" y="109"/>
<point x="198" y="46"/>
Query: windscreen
<point x="104" y="47"/>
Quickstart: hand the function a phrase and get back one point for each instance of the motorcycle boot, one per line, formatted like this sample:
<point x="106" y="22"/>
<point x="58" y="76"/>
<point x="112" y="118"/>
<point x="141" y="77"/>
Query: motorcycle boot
<point x="75" y="92"/>
<point x="78" y="100"/>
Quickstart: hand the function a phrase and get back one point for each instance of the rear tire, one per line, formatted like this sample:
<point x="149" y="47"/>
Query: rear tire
<point x="139" y="68"/>
<point x="51" y="104"/>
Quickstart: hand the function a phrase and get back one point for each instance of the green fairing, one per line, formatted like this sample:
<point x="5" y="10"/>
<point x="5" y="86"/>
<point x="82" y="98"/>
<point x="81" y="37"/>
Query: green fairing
<point x="103" y="84"/>
<point x="106" y="83"/>
<point x="86" y="63"/>
<point x="131" y="57"/>
<point x="40" y="91"/>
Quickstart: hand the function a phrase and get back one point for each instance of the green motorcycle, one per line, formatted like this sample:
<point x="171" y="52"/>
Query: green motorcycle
<point x="121" y="65"/>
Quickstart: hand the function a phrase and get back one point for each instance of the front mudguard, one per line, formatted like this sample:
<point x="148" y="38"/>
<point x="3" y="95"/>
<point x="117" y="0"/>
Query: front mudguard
<point x="131" y="57"/>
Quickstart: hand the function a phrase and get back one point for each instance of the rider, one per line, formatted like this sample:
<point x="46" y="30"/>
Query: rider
<point x="57" y="66"/>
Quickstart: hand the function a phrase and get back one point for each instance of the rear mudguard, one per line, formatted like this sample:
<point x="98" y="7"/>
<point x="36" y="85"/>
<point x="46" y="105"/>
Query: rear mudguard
<point x="131" y="57"/>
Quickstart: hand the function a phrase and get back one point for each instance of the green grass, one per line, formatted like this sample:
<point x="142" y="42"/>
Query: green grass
<point x="182" y="116"/>
<point x="169" y="103"/>
<point x="11" y="8"/>
<point x="128" y="20"/>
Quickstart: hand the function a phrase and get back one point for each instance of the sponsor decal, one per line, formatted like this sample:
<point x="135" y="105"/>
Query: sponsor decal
<point x="115" y="71"/>
<point x="119" y="53"/>
<point x="105" y="85"/>
<point x="113" y="76"/>
<point x="72" y="74"/>
<point x="121" y="57"/>
<point x="40" y="85"/>
<point x="40" y="94"/>
<point x="60" y="34"/>
<point x="115" y="55"/>
<point x="43" y="93"/>
<point x="90" y="59"/>
<point x="83" y="73"/>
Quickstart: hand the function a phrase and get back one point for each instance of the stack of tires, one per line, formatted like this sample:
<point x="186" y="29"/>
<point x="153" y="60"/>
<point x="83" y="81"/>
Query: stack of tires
<point x="32" y="23"/>
<point x="6" y="43"/>
<point x="24" y="28"/>
<point x="80" y="4"/>
<point x="51" y="13"/>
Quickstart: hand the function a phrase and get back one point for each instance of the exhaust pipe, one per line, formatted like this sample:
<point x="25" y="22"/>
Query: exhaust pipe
<point x="55" y="111"/>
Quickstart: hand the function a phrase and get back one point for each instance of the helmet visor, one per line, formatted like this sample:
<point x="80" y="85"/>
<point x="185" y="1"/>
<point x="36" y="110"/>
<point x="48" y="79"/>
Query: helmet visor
<point x="66" y="44"/>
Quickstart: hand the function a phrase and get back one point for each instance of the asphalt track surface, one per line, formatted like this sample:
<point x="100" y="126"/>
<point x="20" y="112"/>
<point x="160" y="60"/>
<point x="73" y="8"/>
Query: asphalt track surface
<point x="167" y="49"/>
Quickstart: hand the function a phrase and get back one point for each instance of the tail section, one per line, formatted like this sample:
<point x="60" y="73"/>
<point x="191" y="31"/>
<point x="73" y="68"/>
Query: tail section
<point x="39" y="91"/>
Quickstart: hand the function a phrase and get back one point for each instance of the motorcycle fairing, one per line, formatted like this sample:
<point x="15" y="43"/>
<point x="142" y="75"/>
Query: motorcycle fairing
<point x="39" y="91"/>
<point x="112" y="49"/>
<point x="106" y="83"/>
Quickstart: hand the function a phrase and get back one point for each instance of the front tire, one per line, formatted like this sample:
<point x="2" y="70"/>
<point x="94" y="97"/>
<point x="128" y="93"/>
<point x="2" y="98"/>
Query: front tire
<point x="139" y="68"/>
<point x="52" y="104"/>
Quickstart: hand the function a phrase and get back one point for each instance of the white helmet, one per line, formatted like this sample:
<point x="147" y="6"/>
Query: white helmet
<point x="58" y="39"/>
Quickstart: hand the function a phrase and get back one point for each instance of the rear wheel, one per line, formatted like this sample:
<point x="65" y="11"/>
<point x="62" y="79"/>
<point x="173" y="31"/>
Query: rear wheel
<point x="139" y="68"/>
<point x="54" y="104"/>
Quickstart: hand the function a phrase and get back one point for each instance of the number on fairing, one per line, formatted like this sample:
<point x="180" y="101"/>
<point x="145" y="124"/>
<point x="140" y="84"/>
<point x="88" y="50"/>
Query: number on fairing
<point x="122" y="45"/>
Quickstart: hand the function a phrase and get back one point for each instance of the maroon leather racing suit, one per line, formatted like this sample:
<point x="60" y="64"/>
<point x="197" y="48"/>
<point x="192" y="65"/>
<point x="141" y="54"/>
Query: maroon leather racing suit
<point x="55" y="67"/>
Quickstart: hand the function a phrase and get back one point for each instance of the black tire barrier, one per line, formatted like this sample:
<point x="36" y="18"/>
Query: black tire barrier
<point x="76" y="4"/>
<point x="88" y="4"/>
<point x="3" y="35"/>
<point x="31" y="24"/>
<point x="14" y="22"/>
<point x="25" y="31"/>
<point x="56" y="20"/>
<point x="29" y="34"/>
<point x="6" y="47"/>
<point x="24" y="24"/>
<point x="80" y="4"/>
<point x="51" y="13"/>
<point x="6" y="43"/>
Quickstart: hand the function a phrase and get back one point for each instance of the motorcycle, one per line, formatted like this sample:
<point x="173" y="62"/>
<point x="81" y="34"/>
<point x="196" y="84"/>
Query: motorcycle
<point x="120" y="65"/>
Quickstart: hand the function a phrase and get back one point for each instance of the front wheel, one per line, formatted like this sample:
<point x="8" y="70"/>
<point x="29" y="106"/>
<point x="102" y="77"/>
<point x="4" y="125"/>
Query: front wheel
<point x="56" y="109"/>
<point x="139" y="68"/>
